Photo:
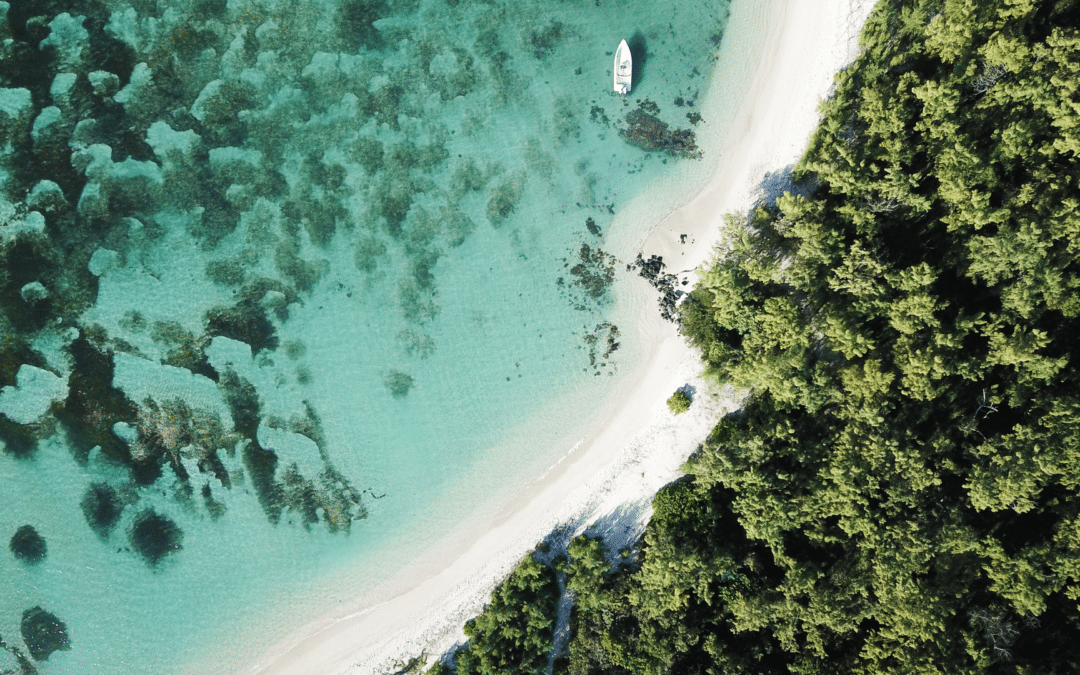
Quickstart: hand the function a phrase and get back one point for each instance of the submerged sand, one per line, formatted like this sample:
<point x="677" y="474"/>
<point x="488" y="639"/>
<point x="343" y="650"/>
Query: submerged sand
<point x="785" y="53"/>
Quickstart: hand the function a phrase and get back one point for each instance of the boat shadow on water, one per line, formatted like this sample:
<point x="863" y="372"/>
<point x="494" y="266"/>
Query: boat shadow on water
<point x="639" y="52"/>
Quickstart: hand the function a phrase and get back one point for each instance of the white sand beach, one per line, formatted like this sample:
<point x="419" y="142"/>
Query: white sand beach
<point x="609" y="479"/>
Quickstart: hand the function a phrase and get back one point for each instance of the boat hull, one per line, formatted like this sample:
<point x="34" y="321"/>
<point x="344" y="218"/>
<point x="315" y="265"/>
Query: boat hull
<point x="624" y="69"/>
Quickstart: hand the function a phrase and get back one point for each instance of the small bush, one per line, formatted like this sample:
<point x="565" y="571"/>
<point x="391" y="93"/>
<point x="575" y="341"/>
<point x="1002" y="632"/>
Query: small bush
<point x="678" y="403"/>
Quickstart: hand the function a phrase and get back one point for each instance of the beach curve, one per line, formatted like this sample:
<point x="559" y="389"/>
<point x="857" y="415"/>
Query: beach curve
<point x="638" y="446"/>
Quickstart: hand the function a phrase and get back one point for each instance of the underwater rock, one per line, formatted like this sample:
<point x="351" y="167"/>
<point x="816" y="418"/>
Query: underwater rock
<point x="44" y="633"/>
<point x="646" y="131"/>
<point x="368" y="251"/>
<point x="453" y="73"/>
<point x="468" y="177"/>
<point x="317" y="492"/>
<point x="16" y="112"/>
<point x="274" y="301"/>
<point x="303" y="274"/>
<point x="261" y="464"/>
<point x="327" y="496"/>
<point x="48" y="126"/>
<point x="102" y="507"/>
<point x="155" y="536"/>
<point x="68" y="37"/>
<point x="28" y="546"/>
<point x="417" y="304"/>
<point x="356" y="23"/>
<point x="215" y="508"/>
<point x="19" y="440"/>
<point x="593" y="228"/>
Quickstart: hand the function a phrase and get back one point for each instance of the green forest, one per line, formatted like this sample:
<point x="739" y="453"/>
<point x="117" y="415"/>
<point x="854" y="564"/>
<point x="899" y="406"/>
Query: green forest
<point x="899" y="493"/>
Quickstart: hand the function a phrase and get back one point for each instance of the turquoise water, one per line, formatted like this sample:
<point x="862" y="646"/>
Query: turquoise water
<point x="291" y="288"/>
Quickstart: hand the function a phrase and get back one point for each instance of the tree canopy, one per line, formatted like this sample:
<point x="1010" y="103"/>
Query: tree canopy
<point x="899" y="493"/>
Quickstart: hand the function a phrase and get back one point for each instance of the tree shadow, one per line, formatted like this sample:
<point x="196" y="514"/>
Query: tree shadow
<point x="775" y="183"/>
<point x="689" y="390"/>
<point x="639" y="52"/>
<point x="620" y="528"/>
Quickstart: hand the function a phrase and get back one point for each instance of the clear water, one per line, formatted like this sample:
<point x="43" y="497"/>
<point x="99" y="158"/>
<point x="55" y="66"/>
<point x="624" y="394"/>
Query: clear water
<point x="365" y="216"/>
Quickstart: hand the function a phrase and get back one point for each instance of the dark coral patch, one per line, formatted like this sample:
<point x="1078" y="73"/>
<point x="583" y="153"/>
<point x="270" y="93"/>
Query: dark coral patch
<point x="93" y="405"/>
<point x="28" y="546"/>
<point x="647" y="132"/>
<point x="102" y="507"/>
<point x="596" y="271"/>
<point x="245" y="322"/>
<point x="398" y="383"/>
<point x="155" y="536"/>
<point x="44" y="633"/>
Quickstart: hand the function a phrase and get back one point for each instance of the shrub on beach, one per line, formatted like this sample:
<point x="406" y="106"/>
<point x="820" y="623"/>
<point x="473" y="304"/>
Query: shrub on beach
<point x="678" y="403"/>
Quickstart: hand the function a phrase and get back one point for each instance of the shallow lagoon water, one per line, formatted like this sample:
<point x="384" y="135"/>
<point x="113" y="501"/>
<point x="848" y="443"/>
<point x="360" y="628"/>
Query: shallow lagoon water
<point x="321" y="281"/>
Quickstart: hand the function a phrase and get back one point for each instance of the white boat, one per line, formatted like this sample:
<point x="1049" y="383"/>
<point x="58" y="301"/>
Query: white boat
<point x="623" y="69"/>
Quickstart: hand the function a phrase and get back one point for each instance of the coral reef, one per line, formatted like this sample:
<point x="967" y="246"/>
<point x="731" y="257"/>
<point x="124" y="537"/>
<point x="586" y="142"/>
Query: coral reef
<point x="44" y="633"/>
<point x="398" y="383"/>
<point x="175" y="431"/>
<point x="266" y="140"/>
<point x="601" y="342"/>
<point x="504" y="198"/>
<point x="102" y="507"/>
<point x="595" y="272"/>
<point x="25" y="665"/>
<point x="28" y="546"/>
<point x="545" y="39"/>
<point x="154" y="536"/>
<point x="316" y="494"/>
<point x="94" y="406"/>
<point x="644" y="130"/>
<point x="246" y="322"/>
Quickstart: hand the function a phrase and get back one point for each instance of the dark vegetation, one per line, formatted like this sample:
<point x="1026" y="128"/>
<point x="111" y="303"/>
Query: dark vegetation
<point x="679" y="402"/>
<point x="514" y="633"/>
<point x="899" y="492"/>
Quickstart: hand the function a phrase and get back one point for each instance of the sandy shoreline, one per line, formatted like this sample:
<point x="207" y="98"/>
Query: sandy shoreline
<point x="610" y="478"/>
